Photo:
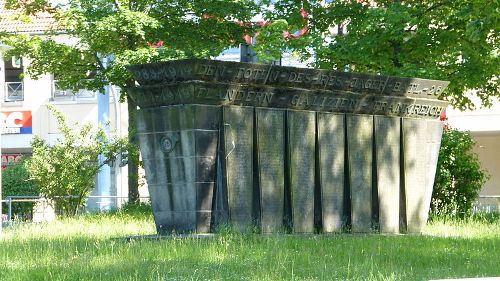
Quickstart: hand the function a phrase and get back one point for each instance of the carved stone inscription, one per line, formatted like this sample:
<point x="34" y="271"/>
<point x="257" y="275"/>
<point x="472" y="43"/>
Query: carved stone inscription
<point x="387" y="141"/>
<point x="301" y="141"/>
<point x="238" y="140"/>
<point x="331" y="143"/>
<point x="196" y="128"/>
<point x="233" y="72"/>
<point x="360" y="139"/>
<point x="264" y="96"/>
<point x="271" y="165"/>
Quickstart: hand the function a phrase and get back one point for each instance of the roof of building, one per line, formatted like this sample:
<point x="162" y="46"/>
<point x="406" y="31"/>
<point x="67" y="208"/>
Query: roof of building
<point x="40" y="22"/>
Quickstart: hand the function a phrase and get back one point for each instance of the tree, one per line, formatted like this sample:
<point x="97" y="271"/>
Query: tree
<point x="454" y="40"/>
<point x="65" y="172"/>
<point x="16" y="182"/>
<point x="459" y="176"/>
<point x="129" y="32"/>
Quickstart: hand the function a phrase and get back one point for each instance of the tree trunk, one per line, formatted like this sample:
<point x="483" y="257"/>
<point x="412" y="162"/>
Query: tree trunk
<point x="133" y="154"/>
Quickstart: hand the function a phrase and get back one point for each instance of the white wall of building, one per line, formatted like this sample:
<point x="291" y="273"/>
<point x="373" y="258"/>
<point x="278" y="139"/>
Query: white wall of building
<point x="484" y="126"/>
<point x="37" y="94"/>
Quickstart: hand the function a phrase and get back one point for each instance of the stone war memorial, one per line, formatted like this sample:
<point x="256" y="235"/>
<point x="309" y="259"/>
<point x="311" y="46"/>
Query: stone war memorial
<point x="286" y="149"/>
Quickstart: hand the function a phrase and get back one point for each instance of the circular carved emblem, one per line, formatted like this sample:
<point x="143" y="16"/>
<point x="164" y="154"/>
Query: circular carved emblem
<point x="166" y="145"/>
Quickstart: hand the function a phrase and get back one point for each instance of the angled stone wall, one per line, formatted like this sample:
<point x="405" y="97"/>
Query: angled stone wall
<point x="286" y="149"/>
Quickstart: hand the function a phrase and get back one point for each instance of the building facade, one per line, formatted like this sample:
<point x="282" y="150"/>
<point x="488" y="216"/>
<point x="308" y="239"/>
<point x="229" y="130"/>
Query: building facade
<point x="24" y="112"/>
<point x="484" y="126"/>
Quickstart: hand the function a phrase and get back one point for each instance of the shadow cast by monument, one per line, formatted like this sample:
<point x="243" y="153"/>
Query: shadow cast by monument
<point x="306" y="150"/>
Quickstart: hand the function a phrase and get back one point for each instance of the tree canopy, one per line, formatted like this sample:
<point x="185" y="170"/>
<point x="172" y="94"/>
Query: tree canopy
<point x="437" y="39"/>
<point x="129" y="31"/>
<point x="104" y="36"/>
<point x="454" y="40"/>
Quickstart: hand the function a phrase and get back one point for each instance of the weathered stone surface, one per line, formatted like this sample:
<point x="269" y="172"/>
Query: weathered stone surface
<point x="360" y="145"/>
<point x="421" y="149"/>
<point x="387" y="141"/>
<point x="416" y="148"/>
<point x="199" y="146"/>
<point x="238" y="139"/>
<point x="179" y="157"/>
<point x="204" y="203"/>
<point x="195" y="92"/>
<point x="331" y="142"/>
<point x="271" y="167"/>
<point x="301" y="142"/>
<point x="434" y="133"/>
<point x="264" y="74"/>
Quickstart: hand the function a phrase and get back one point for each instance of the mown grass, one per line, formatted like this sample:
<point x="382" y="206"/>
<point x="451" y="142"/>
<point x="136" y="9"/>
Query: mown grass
<point x="93" y="247"/>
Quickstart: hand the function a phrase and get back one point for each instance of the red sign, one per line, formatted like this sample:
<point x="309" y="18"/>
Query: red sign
<point x="16" y="122"/>
<point x="8" y="159"/>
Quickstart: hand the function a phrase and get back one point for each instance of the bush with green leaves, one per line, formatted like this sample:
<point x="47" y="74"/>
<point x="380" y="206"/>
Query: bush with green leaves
<point x="459" y="176"/>
<point x="16" y="182"/>
<point x="66" y="171"/>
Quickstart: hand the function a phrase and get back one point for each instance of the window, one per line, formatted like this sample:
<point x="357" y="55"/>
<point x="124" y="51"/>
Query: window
<point x="61" y="94"/>
<point x="14" y="87"/>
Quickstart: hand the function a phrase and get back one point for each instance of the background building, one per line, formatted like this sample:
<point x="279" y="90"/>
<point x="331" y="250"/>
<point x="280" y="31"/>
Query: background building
<point x="484" y="126"/>
<point x="24" y="112"/>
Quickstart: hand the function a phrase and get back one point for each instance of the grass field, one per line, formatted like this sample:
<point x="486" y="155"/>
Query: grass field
<point x="92" y="248"/>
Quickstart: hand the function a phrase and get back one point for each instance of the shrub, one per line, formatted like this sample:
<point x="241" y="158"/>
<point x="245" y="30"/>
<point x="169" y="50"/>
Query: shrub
<point x="66" y="171"/>
<point x="16" y="182"/>
<point x="459" y="176"/>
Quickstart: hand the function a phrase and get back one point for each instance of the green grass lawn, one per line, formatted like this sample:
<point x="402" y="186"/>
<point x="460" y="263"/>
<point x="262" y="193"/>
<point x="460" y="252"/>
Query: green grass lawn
<point x="92" y="248"/>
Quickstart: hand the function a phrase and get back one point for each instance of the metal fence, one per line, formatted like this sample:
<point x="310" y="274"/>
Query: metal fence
<point x="9" y="200"/>
<point x="492" y="207"/>
<point x="487" y="204"/>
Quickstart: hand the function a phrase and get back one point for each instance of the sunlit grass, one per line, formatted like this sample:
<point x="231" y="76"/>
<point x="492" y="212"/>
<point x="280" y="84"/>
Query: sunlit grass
<point x="93" y="248"/>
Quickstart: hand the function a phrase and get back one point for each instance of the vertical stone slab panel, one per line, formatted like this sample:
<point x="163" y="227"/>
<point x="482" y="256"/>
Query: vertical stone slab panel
<point x="360" y="153"/>
<point x="161" y="203"/>
<point x="434" y="134"/>
<point x="271" y="167"/>
<point x="388" y="141"/>
<point x="415" y="145"/>
<point x="238" y="143"/>
<point x="301" y="142"/>
<point x="331" y="141"/>
<point x="206" y="138"/>
<point x="177" y="150"/>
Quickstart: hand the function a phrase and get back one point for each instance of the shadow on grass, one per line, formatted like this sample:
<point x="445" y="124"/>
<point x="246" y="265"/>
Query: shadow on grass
<point x="252" y="257"/>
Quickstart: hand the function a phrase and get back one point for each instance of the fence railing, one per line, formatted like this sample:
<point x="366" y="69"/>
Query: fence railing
<point x="19" y="199"/>
<point x="9" y="200"/>
<point x="482" y="204"/>
<point x="61" y="93"/>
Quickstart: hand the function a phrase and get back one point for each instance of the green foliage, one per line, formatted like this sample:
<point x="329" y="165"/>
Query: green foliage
<point x="137" y="208"/>
<point x="456" y="40"/>
<point x="66" y="171"/>
<point x="275" y="45"/>
<point x="94" y="247"/>
<point x="126" y="30"/>
<point x="16" y="182"/>
<point x="459" y="176"/>
<point x="447" y="40"/>
<point x="102" y="37"/>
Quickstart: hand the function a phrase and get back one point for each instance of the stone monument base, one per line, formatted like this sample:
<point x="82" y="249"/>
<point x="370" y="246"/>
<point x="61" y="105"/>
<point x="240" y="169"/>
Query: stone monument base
<point x="286" y="149"/>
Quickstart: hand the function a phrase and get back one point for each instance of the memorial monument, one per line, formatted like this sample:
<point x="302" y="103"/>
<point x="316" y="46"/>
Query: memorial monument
<point x="283" y="148"/>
